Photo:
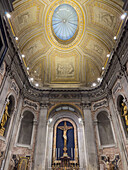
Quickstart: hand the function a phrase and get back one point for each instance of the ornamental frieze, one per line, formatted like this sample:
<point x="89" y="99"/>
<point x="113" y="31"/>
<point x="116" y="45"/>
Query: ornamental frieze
<point x="14" y="87"/>
<point x="116" y="87"/>
<point x="30" y="104"/>
<point x="99" y="104"/>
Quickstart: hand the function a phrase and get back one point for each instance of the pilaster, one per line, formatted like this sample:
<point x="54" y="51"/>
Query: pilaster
<point x="40" y="150"/>
<point x="90" y="144"/>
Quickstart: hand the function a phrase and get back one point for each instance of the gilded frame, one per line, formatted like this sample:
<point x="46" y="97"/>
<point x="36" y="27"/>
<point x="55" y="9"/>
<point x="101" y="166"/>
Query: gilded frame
<point x="54" y="160"/>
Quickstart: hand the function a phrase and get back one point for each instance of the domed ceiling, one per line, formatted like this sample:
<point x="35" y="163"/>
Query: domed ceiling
<point x="66" y="43"/>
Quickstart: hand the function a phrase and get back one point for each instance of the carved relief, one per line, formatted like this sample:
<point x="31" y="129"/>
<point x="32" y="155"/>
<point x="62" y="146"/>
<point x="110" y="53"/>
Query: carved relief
<point x="31" y="104"/>
<point x="14" y="87"/>
<point x="65" y="96"/>
<point x="65" y="66"/>
<point x="98" y="49"/>
<point x="95" y="46"/>
<point x="36" y="47"/>
<point x="104" y="17"/>
<point x="99" y="104"/>
<point x="116" y="87"/>
<point x="25" y="18"/>
<point x="33" y="48"/>
<point x="65" y="70"/>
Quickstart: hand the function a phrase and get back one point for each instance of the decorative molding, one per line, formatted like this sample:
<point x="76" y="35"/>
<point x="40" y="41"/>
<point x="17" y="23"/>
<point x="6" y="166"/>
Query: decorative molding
<point x="86" y="105"/>
<point x="99" y="104"/>
<point x="44" y="105"/>
<point x="14" y="87"/>
<point x="32" y="104"/>
<point x="2" y="69"/>
<point x="65" y="96"/>
<point x="116" y="87"/>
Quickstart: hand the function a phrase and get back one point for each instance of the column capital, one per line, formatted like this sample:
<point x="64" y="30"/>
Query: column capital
<point x="109" y="94"/>
<point x="35" y="122"/>
<point x="86" y="105"/>
<point x="44" y="105"/>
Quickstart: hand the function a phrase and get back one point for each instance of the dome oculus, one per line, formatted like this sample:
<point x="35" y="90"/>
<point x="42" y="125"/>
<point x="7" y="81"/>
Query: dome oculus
<point x="64" y="21"/>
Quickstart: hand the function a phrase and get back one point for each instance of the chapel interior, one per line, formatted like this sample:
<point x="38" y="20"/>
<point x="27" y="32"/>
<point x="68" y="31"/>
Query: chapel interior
<point x="63" y="84"/>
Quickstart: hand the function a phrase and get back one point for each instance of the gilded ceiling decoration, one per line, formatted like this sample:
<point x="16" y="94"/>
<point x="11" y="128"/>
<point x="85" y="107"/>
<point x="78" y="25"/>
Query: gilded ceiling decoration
<point x="66" y="43"/>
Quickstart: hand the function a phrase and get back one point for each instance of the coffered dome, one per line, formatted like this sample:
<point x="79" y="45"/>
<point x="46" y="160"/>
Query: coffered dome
<point x="66" y="43"/>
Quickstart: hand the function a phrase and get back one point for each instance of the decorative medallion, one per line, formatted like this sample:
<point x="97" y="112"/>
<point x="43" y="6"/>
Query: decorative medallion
<point x="65" y="23"/>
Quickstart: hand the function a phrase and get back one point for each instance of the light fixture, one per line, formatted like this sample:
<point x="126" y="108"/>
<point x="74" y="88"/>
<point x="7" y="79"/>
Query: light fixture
<point x="80" y="120"/>
<point x="31" y="79"/>
<point x="102" y="68"/>
<point x="99" y="79"/>
<point x="108" y="55"/>
<point x="123" y="16"/>
<point x="94" y="84"/>
<point x="27" y="68"/>
<point x="23" y="55"/>
<point x="8" y="15"/>
<point x="50" y="120"/>
<point x="16" y="38"/>
<point x="36" y="84"/>
<point x="35" y="71"/>
<point x="115" y="37"/>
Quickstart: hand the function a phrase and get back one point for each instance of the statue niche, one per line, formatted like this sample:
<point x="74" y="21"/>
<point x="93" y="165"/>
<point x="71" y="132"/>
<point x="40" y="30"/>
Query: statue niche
<point x="125" y="114"/>
<point x="6" y="117"/>
<point x="65" y="150"/>
<point x="123" y="110"/>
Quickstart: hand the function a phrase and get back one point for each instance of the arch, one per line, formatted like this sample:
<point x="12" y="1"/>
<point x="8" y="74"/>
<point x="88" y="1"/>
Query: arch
<point x="11" y="93"/>
<point x="26" y="128"/>
<point x="101" y="110"/>
<point x="74" y="107"/>
<point x="104" y="129"/>
<point x="75" y="140"/>
<point x="29" y="110"/>
<point x="80" y="135"/>
<point x="120" y="99"/>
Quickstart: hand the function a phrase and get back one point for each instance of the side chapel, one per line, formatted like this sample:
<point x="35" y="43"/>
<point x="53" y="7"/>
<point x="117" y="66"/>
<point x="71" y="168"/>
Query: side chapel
<point x="63" y="85"/>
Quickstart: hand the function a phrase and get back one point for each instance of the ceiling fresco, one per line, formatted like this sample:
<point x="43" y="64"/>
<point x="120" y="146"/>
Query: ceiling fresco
<point x="66" y="49"/>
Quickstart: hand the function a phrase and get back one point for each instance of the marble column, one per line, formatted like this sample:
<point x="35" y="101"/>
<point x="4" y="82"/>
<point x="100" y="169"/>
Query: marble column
<point x="90" y="144"/>
<point x="120" y="139"/>
<point x="41" y="141"/>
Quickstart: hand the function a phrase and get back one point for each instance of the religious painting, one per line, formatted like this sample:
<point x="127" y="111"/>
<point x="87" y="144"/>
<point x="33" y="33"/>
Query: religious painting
<point x="65" y="148"/>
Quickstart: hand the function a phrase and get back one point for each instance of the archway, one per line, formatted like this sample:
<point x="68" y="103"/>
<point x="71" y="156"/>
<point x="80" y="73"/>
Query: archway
<point x="58" y="117"/>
